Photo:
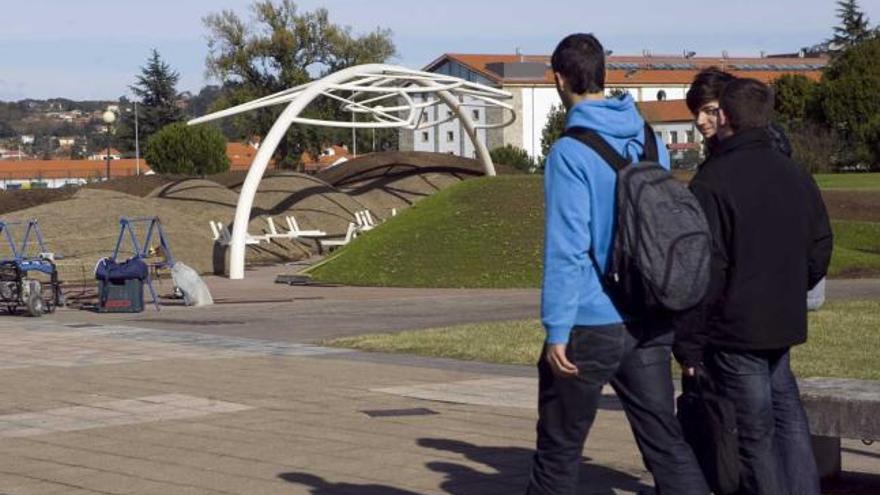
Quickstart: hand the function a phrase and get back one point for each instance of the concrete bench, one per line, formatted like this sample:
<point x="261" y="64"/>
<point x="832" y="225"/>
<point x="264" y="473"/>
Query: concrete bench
<point x="839" y="408"/>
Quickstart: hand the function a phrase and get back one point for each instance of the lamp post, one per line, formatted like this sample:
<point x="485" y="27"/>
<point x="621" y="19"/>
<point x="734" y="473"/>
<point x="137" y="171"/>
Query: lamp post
<point x="109" y="117"/>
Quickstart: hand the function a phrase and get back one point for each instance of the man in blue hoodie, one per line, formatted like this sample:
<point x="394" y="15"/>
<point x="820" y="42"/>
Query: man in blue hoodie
<point x="588" y="342"/>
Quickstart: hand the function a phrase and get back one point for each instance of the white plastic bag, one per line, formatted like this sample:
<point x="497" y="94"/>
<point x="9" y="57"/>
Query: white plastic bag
<point x="195" y="292"/>
<point x="816" y="297"/>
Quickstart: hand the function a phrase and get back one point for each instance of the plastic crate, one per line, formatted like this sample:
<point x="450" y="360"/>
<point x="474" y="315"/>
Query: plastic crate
<point x="124" y="296"/>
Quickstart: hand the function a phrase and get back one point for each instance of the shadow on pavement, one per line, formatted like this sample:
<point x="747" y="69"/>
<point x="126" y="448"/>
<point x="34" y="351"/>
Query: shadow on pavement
<point x="320" y="486"/>
<point x="508" y="472"/>
<point x="852" y="484"/>
<point x="511" y="466"/>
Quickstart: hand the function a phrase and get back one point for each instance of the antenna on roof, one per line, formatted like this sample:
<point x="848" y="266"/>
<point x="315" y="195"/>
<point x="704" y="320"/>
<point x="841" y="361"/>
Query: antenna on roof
<point x="519" y="54"/>
<point x="688" y="54"/>
<point x="724" y="54"/>
<point x="763" y="54"/>
<point x="646" y="53"/>
<point x="608" y="53"/>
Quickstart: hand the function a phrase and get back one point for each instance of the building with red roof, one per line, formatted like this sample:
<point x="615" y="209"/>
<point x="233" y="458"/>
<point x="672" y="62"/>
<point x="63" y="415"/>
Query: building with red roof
<point x="658" y="83"/>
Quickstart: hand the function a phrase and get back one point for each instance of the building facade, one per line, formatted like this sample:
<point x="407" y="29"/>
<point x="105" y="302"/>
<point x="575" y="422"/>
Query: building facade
<point x="657" y="83"/>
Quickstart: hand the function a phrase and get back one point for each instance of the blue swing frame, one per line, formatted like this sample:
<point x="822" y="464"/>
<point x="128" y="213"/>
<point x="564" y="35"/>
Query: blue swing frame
<point x="141" y="250"/>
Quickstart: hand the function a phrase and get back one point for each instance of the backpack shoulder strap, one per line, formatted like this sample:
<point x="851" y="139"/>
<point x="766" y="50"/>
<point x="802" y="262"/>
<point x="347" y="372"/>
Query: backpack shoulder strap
<point x="594" y="141"/>
<point x="650" y="146"/>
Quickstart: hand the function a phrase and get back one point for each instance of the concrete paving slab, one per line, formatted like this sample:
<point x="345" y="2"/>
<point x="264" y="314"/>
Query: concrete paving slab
<point x="281" y="420"/>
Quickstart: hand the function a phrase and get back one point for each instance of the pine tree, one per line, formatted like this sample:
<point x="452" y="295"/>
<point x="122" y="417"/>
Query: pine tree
<point x="156" y="87"/>
<point x="854" y="26"/>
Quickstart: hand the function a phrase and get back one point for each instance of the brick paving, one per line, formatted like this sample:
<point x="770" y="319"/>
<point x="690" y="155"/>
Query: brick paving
<point x="137" y="405"/>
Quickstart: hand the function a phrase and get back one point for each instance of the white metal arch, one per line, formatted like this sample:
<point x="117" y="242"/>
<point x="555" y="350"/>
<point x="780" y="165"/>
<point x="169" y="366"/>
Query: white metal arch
<point x="362" y="88"/>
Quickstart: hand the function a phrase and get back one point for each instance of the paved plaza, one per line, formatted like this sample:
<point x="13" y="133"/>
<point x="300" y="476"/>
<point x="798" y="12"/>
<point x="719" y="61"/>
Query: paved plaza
<point x="240" y="399"/>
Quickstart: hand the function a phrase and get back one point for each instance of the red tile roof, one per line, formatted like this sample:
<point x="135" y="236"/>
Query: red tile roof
<point x="63" y="169"/>
<point x="665" y="111"/>
<point x="240" y="155"/>
<point x="645" y="74"/>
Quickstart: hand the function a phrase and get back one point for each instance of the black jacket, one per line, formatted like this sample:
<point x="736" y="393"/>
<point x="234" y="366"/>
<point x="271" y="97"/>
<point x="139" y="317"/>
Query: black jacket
<point x="771" y="243"/>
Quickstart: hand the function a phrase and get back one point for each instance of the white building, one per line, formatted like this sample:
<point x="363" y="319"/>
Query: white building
<point x="657" y="83"/>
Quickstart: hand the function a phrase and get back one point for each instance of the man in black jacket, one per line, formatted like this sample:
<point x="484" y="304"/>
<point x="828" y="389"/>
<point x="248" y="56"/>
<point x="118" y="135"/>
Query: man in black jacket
<point x="772" y="242"/>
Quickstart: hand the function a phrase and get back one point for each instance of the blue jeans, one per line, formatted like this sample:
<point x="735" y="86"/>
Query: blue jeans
<point x="638" y="367"/>
<point x="775" y="451"/>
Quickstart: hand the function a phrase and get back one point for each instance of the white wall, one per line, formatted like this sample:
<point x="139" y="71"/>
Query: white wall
<point x="680" y="128"/>
<point x="537" y="103"/>
<point x="649" y="93"/>
<point x="438" y="136"/>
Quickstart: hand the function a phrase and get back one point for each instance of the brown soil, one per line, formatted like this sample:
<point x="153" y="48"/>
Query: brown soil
<point x="82" y="224"/>
<point x="396" y="180"/>
<point x="375" y="165"/>
<point x="14" y="200"/>
<point x="314" y="203"/>
<point x="136" y="185"/>
<point x="853" y="205"/>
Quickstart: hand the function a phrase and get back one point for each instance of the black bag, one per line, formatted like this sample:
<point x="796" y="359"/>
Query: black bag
<point x="131" y="269"/>
<point x="708" y="421"/>
<point x="661" y="248"/>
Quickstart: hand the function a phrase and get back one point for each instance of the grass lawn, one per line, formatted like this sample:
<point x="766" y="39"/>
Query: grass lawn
<point x="485" y="232"/>
<point x="844" y="338"/>
<point x="856" y="249"/>
<point x="849" y="181"/>
<point x="488" y="233"/>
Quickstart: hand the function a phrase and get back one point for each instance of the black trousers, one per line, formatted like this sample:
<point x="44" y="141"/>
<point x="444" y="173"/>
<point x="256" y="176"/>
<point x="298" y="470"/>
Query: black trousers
<point x="638" y="367"/>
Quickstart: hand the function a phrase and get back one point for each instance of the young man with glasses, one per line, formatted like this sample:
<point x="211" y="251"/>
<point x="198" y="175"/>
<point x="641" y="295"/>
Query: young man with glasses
<point x="772" y="242"/>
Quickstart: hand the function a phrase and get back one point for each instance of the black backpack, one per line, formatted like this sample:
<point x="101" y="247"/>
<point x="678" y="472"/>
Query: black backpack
<point x="661" y="247"/>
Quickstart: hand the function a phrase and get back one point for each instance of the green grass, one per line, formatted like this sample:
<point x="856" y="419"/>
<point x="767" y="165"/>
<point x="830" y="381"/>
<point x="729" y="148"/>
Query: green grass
<point x="843" y="342"/>
<point x="484" y="232"/>
<point x="488" y="233"/>
<point x="864" y="182"/>
<point x="856" y="249"/>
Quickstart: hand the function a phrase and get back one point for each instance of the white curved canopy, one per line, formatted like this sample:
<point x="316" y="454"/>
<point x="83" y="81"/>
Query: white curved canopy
<point x="383" y="96"/>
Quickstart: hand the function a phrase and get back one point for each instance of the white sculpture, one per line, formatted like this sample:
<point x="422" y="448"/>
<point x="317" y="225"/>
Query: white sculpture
<point x="381" y="92"/>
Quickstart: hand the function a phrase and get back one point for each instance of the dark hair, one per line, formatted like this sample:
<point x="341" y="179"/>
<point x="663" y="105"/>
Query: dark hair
<point x="707" y="86"/>
<point x="580" y="59"/>
<point x="747" y="103"/>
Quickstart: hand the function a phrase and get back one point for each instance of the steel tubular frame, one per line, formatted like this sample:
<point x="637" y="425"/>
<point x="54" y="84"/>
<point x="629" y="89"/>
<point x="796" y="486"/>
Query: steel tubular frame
<point x="362" y="87"/>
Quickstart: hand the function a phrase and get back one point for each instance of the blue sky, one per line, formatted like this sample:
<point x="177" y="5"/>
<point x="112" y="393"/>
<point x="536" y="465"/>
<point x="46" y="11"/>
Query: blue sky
<point x="92" y="49"/>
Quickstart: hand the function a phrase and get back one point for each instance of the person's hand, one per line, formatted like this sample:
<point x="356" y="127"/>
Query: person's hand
<point x="559" y="363"/>
<point x="691" y="372"/>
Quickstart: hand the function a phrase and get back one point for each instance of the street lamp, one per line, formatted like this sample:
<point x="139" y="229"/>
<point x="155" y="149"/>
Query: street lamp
<point x="109" y="117"/>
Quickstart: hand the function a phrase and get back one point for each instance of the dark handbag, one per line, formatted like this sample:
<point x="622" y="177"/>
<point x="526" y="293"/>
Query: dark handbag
<point x="708" y="421"/>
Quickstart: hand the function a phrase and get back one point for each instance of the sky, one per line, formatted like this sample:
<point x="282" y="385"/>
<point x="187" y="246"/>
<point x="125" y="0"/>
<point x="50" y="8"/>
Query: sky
<point x="93" y="49"/>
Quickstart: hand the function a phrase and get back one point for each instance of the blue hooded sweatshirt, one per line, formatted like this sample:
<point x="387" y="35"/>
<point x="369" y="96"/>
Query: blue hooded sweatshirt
<point x="579" y="189"/>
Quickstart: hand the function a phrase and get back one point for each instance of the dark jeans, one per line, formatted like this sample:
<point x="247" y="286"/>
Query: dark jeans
<point x="775" y="451"/>
<point x="639" y="370"/>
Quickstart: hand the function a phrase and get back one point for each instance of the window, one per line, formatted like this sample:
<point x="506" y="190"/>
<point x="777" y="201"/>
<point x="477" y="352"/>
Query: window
<point x="674" y="136"/>
<point x="661" y="95"/>
<point x="449" y="114"/>
<point x="690" y="136"/>
<point x="476" y="115"/>
<point x="424" y="136"/>
<point x="450" y="136"/>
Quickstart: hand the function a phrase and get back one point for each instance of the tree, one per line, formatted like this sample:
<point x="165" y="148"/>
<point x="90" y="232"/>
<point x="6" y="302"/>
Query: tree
<point x="514" y="157"/>
<point x="795" y="97"/>
<point x="156" y="88"/>
<point x="849" y="101"/>
<point x="281" y="48"/>
<point x="814" y="146"/>
<point x="553" y="129"/>
<point x="853" y="28"/>
<point x="192" y="150"/>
